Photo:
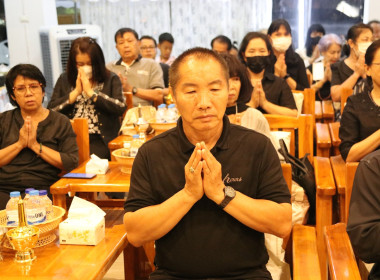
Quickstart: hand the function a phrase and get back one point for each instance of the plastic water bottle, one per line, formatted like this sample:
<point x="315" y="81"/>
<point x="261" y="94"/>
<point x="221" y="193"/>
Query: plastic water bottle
<point x="48" y="204"/>
<point x="35" y="209"/>
<point x="12" y="209"/>
<point x="161" y="113"/>
<point x="27" y="195"/>
<point x="171" y="115"/>
<point x="135" y="145"/>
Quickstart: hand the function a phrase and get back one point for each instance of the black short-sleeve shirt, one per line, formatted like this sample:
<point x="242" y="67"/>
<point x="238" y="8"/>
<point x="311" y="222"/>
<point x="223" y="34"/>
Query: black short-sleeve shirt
<point x="360" y="119"/>
<point x="340" y="73"/>
<point x="208" y="242"/>
<point x="277" y="92"/>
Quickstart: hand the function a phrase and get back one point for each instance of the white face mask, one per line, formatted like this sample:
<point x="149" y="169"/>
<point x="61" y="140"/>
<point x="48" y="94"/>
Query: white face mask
<point x="87" y="69"/>
<point x="281" y="44"/>
<point x="362" y="47"/>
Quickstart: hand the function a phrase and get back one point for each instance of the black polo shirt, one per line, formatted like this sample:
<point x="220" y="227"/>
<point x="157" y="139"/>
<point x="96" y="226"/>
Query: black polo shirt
<point x="208" y="242"/>
<point x="277" y="92"/>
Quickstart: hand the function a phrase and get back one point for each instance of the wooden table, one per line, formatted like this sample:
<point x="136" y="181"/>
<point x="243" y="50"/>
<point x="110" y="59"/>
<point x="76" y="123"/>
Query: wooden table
<point x="55" y="261"/>
<point x="113" y="181"/>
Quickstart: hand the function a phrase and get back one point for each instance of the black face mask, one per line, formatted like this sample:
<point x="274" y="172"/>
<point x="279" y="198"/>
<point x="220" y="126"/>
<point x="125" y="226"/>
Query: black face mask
<point x="257" y="63"/>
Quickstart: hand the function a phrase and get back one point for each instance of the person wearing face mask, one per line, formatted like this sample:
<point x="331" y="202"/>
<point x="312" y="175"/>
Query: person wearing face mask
<point x="311" y="52"/>
<point x="270" y="94"/>
<point x="284" y="61"/>
<point x="88" y="90"/>
<point x="360" y="125"/>
<point x="330" y="47"/>
<point x="348" y="72"/>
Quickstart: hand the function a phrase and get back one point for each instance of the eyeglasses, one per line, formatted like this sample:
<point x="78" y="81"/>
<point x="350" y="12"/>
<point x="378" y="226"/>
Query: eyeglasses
<point x="33" y="88"/>
<point x="377" y="63"/>
<point x="147" y="48"/>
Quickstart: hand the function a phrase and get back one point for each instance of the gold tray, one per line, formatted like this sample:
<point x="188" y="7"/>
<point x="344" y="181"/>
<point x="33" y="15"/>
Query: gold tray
<point x="47" y="228"/>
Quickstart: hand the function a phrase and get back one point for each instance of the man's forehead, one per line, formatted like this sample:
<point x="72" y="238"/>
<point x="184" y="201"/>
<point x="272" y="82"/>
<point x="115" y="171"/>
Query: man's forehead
<point x="126" y="35"/>
<point x="147" y="41"/>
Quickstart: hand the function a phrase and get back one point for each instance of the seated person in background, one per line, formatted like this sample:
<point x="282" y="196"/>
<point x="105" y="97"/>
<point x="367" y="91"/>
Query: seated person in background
<point x="270" y="94"/>
<point x="140" y="76"/>
<point x="310" y="53"/>
<point x="36" y="144"/>
<point x="88" y="90"/>
<point x="148" y="49"/>
<point x="240" y="90"/>
<point x="221" y="44"/>
<point x="209" y="214"/>
<point x="284" y="61"/>
<point x="330" y="47"/>
<point x="363" y="225"/>
<point x="375" y="24"/>
<point x="165" y="45"/>
<point x="234" y="50"/>
<point x="360" y="125"/>
<point x="348" y="72"/>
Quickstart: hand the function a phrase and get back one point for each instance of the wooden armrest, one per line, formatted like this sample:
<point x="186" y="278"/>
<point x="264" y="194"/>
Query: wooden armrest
<point x="327" y="111"/>
<point x="339" y="170"/>
<point x="334" y="132"/>
<point x="305" y="255"/>
<point x="342" y="263"/>
<point x="323" y="139"/>
<point x="325" y="191"/>
<point x="324" y="178"/>
<point x="318" y="110"/>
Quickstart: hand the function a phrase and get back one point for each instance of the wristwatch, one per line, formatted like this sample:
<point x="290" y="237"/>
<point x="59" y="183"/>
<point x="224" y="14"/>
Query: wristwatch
<point x="229" y="194"/>
<point x="134" y="90"/>
<point x="94" y="97"/>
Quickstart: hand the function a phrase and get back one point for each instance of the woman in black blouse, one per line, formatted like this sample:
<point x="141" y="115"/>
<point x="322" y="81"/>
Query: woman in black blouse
<point x="286" y="63"/>
<point x="347" y="73"/>
<point x="88" y="90"/>
<point x="270" y="94"/>
<point x="360" y="125"/>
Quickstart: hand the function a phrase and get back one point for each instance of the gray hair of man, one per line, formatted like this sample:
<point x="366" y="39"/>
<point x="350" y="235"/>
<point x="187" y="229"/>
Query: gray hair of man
<point x="327" y="40"/>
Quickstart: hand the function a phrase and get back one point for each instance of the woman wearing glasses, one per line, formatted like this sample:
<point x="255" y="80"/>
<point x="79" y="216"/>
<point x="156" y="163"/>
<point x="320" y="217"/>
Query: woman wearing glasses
<point x="36" y="144"/>
<point x="360" y="125"/>
<point x="88" y="90"/>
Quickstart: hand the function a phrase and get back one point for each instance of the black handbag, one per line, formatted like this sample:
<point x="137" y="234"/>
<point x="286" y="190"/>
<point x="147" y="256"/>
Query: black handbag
<point x="303" y="174"/>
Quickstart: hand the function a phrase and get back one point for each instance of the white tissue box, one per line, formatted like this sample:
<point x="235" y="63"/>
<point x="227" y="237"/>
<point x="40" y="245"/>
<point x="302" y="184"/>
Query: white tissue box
<point x="97" y="165"/>
<point x="82" y="231"/>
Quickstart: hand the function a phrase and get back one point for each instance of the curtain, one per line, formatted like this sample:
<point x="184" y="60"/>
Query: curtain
<point x="191" y="22"/>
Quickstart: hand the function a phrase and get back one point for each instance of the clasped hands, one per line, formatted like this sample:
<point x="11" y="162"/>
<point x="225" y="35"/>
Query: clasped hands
<point x="258" y="98"/>
<point x="28" y="135"/>
<point x="83" y="85"/>
<point x="280" y="68"/>
<point x="203" y="174"/>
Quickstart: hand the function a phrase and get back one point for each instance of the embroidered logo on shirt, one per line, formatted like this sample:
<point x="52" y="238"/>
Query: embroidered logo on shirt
<point x="142" y="72"/>
<point x="228" y="179"/>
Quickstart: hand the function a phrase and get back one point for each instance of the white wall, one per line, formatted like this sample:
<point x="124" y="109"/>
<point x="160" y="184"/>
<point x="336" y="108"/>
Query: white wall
<point x="371" y="10"/>
<point x="24" y="18"/>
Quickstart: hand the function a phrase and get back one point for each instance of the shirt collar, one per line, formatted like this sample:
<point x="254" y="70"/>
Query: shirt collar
<point x="121" y="62"/>
<point x="221" y="144"/>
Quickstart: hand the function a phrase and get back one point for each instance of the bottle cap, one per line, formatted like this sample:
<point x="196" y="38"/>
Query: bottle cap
<point x="14" y="194"/>
<point x="161" y="106"/>
<point x="136" y="136"/>
<point x="28" y="190"/>
<point x="34" y="192"/>
<point x="43" y="192"/>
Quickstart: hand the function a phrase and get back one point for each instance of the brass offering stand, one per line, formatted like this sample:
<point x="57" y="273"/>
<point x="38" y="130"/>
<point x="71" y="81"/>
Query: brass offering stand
<point x="24" y="237"/>
<point x="141" y="125"/>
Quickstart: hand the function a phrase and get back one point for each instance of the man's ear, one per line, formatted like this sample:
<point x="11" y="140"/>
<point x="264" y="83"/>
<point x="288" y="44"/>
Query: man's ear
<point x="171" y="92"/>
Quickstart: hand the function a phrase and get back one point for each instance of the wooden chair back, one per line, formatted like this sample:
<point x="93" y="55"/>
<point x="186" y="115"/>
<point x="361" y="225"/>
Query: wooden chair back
<point x="80" y="127"/>
<point x="345" y="93"/>
<point x="303" y="124"/>
<point x="308" y="104"/>
<point x="341" y="258"/>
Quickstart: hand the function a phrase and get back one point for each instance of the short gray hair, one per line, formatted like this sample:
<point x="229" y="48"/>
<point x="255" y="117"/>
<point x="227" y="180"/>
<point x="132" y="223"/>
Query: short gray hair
<point x="327" y="40"/>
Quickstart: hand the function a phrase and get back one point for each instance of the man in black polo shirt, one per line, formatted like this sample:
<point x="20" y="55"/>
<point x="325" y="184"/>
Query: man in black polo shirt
<point x="206" y="191"/>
